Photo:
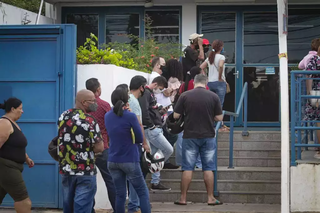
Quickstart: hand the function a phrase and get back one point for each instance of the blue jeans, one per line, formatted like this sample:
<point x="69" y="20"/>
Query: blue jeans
<point x="179" y="152"/>
<point x="102" y="164"/>
<point x="220" y="88"/>
<point x="78" y="193"/>
<point x="158" y="142"/>
<point x="121" y="172"/>
<point x="191" y="148"/>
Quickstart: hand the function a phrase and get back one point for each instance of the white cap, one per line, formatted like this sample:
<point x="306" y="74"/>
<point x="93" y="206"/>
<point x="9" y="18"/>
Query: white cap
<point x="194" y="36"/>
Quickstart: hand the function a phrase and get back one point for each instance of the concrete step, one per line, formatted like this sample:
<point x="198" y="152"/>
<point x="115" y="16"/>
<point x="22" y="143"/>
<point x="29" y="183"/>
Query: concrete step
<point x="238" y="173"/>
<point x="254" y="136"/>
<point x="224" y="196"/>
<point x="250" y="161"/>
<point x="250" y="153"/>
<point x="227" y="185"/>
<point x="251" y="145"/>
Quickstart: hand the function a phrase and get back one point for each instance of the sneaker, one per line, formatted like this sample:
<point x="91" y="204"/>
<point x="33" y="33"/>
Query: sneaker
<point x="170" y="166"/>
<point x="159" y="187"/>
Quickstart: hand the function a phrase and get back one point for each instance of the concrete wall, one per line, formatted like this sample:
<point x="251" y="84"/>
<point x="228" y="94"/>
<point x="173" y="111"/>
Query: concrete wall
<point x="10" y="15"/>
<point x="305" y="188"/>
<point x="109" y="76"/>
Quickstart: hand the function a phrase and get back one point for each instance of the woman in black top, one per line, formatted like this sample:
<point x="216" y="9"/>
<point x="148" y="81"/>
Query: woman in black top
<point x="12" y="157"/>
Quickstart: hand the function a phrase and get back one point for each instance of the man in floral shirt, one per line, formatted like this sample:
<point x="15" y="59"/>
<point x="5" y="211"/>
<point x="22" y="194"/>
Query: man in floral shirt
<point x="79" y="138"/>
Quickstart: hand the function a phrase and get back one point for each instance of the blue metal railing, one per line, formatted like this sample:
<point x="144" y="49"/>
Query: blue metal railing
<point x="299" y="99"/>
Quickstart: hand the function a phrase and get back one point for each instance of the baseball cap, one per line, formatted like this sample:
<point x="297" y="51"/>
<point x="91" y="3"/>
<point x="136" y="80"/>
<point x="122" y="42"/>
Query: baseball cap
<point x="205" y="42"/>
<point x="194" y="36"/>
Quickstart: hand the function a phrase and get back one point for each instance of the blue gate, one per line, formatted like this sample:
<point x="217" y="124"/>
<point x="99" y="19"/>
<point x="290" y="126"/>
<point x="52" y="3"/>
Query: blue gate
<point x="38" y="66"/>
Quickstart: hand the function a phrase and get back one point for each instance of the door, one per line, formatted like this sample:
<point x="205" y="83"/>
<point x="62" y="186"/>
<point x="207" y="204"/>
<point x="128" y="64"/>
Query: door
<point x="251" y="46"/>
<point x="34" y="68"/>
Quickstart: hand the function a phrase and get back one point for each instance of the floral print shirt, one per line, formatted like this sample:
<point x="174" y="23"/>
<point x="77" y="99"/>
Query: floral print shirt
<point x="78" y="132"/>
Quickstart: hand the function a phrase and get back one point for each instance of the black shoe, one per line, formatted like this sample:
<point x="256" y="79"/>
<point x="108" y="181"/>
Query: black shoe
<point x="159" y="187"/>
<point x="170" y="166"/>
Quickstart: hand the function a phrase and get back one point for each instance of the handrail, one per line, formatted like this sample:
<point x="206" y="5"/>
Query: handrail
<point x="297" y="122"/>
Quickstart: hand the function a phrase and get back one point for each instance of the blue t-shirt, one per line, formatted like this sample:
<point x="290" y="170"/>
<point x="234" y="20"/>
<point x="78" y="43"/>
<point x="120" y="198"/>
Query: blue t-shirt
<point x="122" y="149"/>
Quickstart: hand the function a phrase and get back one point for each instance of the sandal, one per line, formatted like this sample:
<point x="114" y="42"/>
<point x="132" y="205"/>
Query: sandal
<point x="179" y="203"/>
<point x="224" y="128"/>
<point x="216" y="203"/>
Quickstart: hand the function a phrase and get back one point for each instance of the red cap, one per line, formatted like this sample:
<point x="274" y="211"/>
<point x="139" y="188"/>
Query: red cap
<point x="205" y="42"/>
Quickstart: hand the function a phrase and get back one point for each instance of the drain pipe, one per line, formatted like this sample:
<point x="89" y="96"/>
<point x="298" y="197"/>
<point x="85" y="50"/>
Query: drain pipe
<point x="285" y="142"/>
<point x="39" y="14"/>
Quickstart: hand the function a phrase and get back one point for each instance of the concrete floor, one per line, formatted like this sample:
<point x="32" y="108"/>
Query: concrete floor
<point x="195" y="208"/>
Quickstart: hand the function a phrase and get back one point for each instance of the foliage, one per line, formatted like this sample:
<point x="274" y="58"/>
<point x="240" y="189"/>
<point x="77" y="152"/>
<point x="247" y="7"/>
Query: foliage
<point x="31" y="5"/>
<point x="89" y="53"/>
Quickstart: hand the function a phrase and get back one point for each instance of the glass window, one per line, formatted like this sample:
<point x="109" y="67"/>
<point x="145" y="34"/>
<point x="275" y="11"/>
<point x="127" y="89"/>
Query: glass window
<point x="230" y="98"/>
<point x="86" y="24"/>
<point x="260" y="38"/>
<point x="220" y="26"/>
<point x="118" y="27"/>
<point x="303" y="28"/>
<point x="165" y="25"/>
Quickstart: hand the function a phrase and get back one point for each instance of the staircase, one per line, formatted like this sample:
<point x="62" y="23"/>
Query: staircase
<point x="255" y="178"/>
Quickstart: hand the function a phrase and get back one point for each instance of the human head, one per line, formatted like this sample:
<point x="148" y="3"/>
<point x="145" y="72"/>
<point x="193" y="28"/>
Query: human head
<point x="86" y="101"/>
<point x="206" y="45"/>
<point x="175" y="70"/>
<point x="124" y="87"/>
<point x="194" y="71"/>
<point x="159" y="83"/>
<point x="119" y="99"/>
<point x="94" y="86"/>
<point x="315" y="44"/>
<point x="138" y="83"/>
<point x="217" y="46"/>
<point x="13" y="106"/>
<point x="193" y="38"/>
<point x="200" y="81"/>
<point x="158" y="64"/>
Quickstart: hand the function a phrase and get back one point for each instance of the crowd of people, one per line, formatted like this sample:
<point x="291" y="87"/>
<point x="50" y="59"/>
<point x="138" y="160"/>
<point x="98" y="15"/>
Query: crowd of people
<point x="116" y="139"/>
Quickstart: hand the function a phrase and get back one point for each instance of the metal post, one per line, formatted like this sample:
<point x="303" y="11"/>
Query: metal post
<point x="245" y="129"/>
<point x="231" y="143"/>
<point x="215" y="181"/>
<point x="285" y="142"/>
<point x="293" y="119"/>
<point x="39" y="14"/>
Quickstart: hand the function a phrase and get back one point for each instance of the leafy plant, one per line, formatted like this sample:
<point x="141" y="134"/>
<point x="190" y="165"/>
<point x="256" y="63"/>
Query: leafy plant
<point x="31" y="5"/>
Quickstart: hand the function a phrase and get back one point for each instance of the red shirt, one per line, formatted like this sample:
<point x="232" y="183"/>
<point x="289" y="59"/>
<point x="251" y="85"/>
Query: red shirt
<point x="190" y="86"/>
<point x="103" y="108"/>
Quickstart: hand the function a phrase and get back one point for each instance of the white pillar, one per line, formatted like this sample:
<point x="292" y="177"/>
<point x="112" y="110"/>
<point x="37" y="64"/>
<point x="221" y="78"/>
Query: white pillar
<point x="285" y="142"/>
<point x="189" y="21"/>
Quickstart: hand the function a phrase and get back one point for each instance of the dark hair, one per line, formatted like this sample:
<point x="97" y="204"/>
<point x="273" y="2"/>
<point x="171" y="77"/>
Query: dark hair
<point x="155" y="61"/>
<point x="193" y="72"/>
<point x="11" y="102"/>
<point x="175" y="70"/>
<point x="315" y="44"/>
<point x="119" y="98"/>
<point x="92" y="84"/>
<point x="124" y="87"/>
<point x="161" y="81"/>
<point x="216" y="46"/>
<point x="137" y="81"/>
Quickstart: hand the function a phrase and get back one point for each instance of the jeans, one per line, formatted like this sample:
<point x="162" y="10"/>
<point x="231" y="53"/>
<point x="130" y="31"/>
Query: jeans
<point x="102" y="164"/>
<point x="121" y="172"/>
<point x="78" y="193"/>
<point x="158" y="142"/>
<point x="191" y="147"/>
<point x="220" y="88"/>
<point x="179" y="152"/>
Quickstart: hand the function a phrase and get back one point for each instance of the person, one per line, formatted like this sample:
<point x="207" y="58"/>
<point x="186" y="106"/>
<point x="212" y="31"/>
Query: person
<point x="125" y="135"/>
<point x="206" y="47"/>
<point x="174" y="76"/>
<point x="192" y="53"/>
<point x="216" y="63"/>
<point x="79" y="138"/>
<point x="201" y="109"/>
<point x="13" y="155"/>
<point x="94" y="86"/>
<point x="137" y="88"/>
<point x="152" y="123"/>
<point x="158" y="65"/>
<point x="123" y="86"/>
<point x="190" y="82"/>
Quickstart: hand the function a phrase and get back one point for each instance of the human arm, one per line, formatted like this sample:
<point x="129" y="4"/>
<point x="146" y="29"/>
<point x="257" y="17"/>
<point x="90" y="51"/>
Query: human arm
<point x="179" y="108"/>
<point x="6" y="131"/>
<point x="136" y="128"/>
<point x="96" y="137"/>
<point x="144" y="104"/>
<point x="201" y="52"/>
<point x="204" y="65"/>
<point x="221" y="68"/>
<point x="168" y="92"/>
<point x="29" y="162"/>
<point x="145" y="145"/>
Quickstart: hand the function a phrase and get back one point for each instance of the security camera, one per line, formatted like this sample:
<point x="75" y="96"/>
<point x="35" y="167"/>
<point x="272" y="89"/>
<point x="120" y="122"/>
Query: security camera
<point x="148" y="3"/>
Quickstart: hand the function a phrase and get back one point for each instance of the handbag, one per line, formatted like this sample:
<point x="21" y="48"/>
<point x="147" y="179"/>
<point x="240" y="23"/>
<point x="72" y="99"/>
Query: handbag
<point x="53" y="148"/>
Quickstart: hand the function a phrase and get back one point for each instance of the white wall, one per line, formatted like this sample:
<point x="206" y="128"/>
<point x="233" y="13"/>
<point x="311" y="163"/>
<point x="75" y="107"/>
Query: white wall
<point x="305" y="188"/>
<point x="10" y="15"/>
<point x="109" y="76"/>
<point x="189" y="22"/>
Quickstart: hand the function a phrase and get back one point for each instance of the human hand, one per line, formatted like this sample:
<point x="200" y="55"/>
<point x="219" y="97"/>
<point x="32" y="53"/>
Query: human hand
<point x="29" y="162"/>
<point x="221" y="80"/>
<point x="146" y="147"/>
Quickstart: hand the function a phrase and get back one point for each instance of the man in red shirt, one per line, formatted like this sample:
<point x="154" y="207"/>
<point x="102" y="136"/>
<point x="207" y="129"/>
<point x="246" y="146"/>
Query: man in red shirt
<point x="93" y="85"/>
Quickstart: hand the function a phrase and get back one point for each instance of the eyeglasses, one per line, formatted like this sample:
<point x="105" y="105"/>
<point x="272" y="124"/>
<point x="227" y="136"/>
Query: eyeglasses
<point x="95" y="101"/>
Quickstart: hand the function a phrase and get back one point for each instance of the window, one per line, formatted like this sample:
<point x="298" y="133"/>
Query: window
<point x="165" y="26"/>
<point x="86" y="24"/>
<point x="118" y="27"/>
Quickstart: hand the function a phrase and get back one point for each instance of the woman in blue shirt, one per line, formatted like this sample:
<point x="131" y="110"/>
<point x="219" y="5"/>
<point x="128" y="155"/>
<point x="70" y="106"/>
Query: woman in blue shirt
<point x="124" y="158"/>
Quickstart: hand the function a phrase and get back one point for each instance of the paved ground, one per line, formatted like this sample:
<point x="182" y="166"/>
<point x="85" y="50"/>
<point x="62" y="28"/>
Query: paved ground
<point x="195" y="208"/>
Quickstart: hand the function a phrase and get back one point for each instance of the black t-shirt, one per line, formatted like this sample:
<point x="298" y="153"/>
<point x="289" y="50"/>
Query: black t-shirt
<point x="199" y="106"/>
<point x="189" y="60"/>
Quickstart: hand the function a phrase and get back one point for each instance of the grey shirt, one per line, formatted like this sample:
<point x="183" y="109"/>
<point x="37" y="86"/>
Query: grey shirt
<point x="135" y="106"/>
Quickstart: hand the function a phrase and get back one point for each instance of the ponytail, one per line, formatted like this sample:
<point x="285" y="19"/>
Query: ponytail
<point x="217" y="46"/>
<point x="119" y="99"/>
<point x="118" y="108"/>
<point x="212" y="56"/>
